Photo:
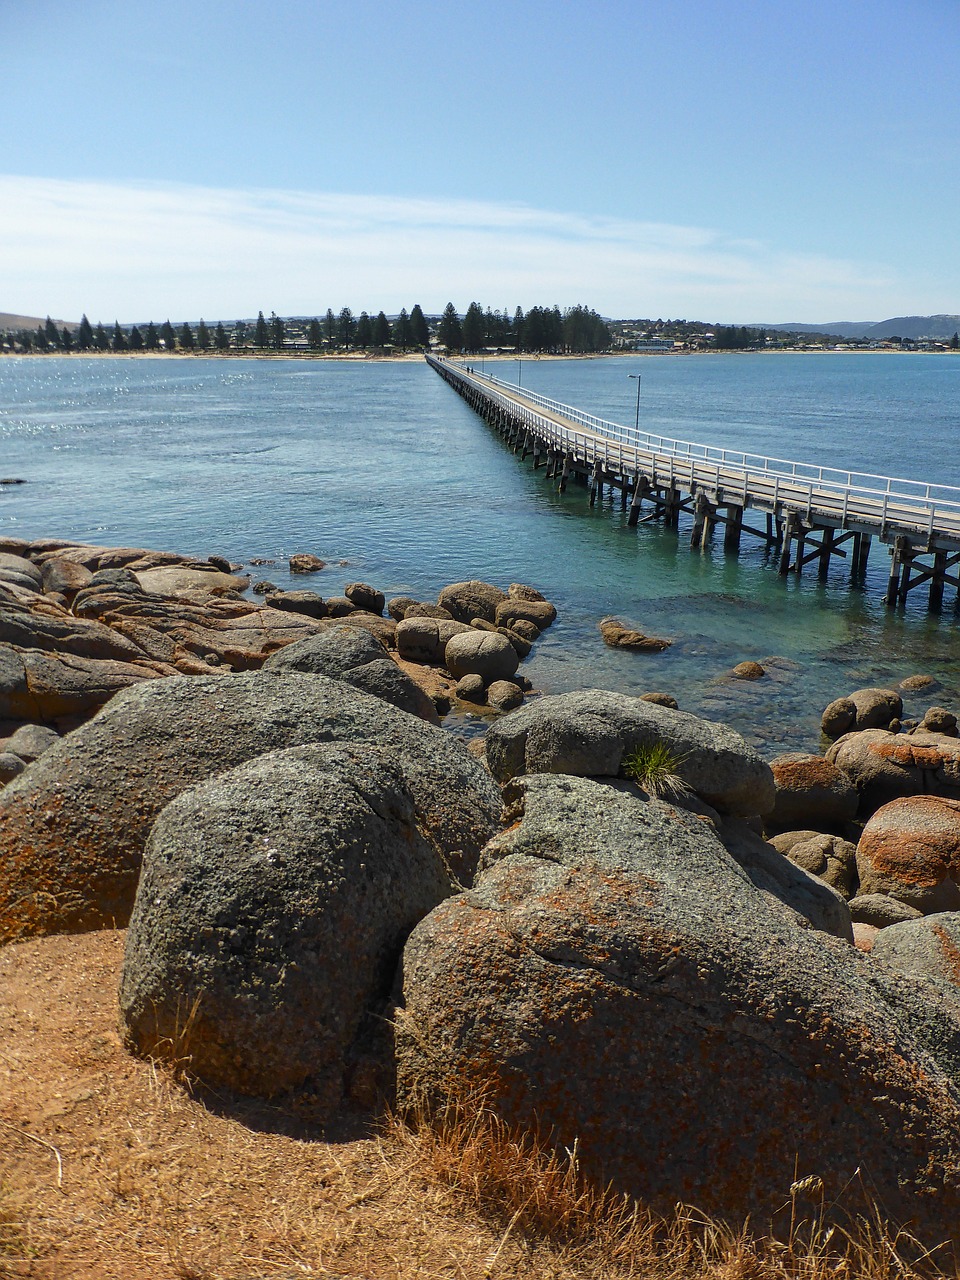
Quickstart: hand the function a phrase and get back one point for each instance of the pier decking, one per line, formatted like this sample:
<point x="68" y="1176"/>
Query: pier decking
<point x="809" y="513"/>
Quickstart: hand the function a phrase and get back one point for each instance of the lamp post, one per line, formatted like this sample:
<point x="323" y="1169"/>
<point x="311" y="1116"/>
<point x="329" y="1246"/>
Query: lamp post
<point x="637" y="377"/>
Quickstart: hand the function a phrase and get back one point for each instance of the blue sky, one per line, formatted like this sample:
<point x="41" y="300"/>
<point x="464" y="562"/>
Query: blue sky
<point x="734" y="161"/>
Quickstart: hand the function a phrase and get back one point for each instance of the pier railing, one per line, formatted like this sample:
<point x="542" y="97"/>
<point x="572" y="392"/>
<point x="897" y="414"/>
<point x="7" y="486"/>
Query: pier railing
<point x="880" y="504"/>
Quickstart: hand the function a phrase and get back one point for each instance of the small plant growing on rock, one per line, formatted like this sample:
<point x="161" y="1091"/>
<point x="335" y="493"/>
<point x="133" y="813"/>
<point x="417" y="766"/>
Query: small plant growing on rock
<point x="654" y="766"/>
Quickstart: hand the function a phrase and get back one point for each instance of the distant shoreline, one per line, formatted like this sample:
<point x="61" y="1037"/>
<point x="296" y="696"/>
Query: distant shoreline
<point x="507" y="356"/>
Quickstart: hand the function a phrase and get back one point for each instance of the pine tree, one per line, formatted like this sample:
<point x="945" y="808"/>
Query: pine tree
<point x="518" y="328"/>
<point x="66" y="341"/>
<point x="474" y="334"/>
<point x="221" y="341"/>
<point x="364" y="331"/>
<point x="330" y="326"/>
<point x="136" y="339"/>
<point x="84" y="335"/>
<point x="167" y="336"/>
<point x="186" y="337"/>
<point x="151" y="339"/>
<point x="419" y="330"/>
<point x="955" y="341"/>
<point x="119" y="340"/>
<point x="240" y="334"/>
<point x="260" y="332"/>
<point x="450" y="333"/>
<point x="52" y="334"/>
<point x="402" y="332"/>
<point x="40" y="341"/>
<point x="315" y="335"/>
<point x="381" y="331"/>
<point x="276" y="331"/>
<point x="100" y="339"/>
<point x="346" y="325"/>
<point x="534" y="333"/>
<point x="203" y="335"/>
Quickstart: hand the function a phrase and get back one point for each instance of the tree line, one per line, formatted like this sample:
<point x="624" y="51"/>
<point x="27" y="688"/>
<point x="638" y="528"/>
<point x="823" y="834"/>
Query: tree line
<point x="541" y="329"/>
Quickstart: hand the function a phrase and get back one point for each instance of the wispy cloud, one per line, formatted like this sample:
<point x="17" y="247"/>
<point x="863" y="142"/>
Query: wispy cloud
<point x="141" y="251"/>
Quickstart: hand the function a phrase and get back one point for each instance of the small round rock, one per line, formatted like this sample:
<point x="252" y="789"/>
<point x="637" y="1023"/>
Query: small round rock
<point x="748" y="671"/>
<point x="504" y="695"/>
<point x="305" y="562"/>
<point x="470" y="688"/>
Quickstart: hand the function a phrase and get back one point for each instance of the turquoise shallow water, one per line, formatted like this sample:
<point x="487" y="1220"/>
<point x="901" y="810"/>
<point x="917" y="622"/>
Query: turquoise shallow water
<point x="384" y="468"/>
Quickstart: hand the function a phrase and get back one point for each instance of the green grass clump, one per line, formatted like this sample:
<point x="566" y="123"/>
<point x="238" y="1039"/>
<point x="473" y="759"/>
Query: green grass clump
<point x="655" y="766"/>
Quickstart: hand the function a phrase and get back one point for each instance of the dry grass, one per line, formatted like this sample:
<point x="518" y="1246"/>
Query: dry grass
<point x="110" y="1169"/>
<point x="539" y="1196"/>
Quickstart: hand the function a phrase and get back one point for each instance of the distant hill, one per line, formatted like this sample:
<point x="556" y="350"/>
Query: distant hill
<point x="9" y="321"/>
<point x="942" y="326"/>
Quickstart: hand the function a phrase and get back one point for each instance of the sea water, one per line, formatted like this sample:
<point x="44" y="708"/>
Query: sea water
<point x="384" y="472"/>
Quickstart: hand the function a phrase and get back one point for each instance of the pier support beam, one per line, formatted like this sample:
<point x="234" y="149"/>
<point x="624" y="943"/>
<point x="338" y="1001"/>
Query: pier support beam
<point x="935" y="603"/>
<point x="671" y="508"/>
<point x="898" y="558"/>
<point x="826" y="547"/>
<point x="861" y="550"/>
<point x="789" y="523"/>
<point x="641" y="487"/>
<point x="731" y="534"/>
<point x="703" y="520"/>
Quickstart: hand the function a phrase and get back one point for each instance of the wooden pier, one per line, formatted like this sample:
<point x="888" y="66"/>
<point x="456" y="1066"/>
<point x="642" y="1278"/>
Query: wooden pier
<point x="804" y="513"/>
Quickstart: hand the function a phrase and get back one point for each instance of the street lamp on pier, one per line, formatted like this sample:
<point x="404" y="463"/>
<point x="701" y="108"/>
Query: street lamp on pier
<point x="637" y="377"/>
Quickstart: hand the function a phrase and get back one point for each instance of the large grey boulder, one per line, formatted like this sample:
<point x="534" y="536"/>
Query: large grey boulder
<point x="588" y="733"/>
<point x="274" y="901"/>
<point x="481" y="653"/>
<point x="465" y="601"/>
<point x="352" y="654"/>
<point x="332" y="653"/>
<point x="924" y="948"/>
<point x="862" y="709"/>
<point x="615" y="980"/>
<point x="73" y="826"/>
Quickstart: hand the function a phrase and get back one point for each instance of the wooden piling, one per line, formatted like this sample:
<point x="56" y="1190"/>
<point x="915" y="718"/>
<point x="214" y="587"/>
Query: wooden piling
<point x="734" y="527"/>
<point x="896" y="562"/>
<point x="785" y="541"/>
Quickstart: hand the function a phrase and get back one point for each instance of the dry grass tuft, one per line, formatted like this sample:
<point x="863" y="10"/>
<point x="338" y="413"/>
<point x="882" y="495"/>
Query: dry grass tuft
<point x="534" y="1194"/>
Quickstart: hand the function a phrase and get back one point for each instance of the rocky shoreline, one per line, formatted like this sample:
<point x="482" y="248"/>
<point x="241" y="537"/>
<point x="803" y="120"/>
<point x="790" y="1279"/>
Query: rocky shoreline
<point x="614" y="921"/>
